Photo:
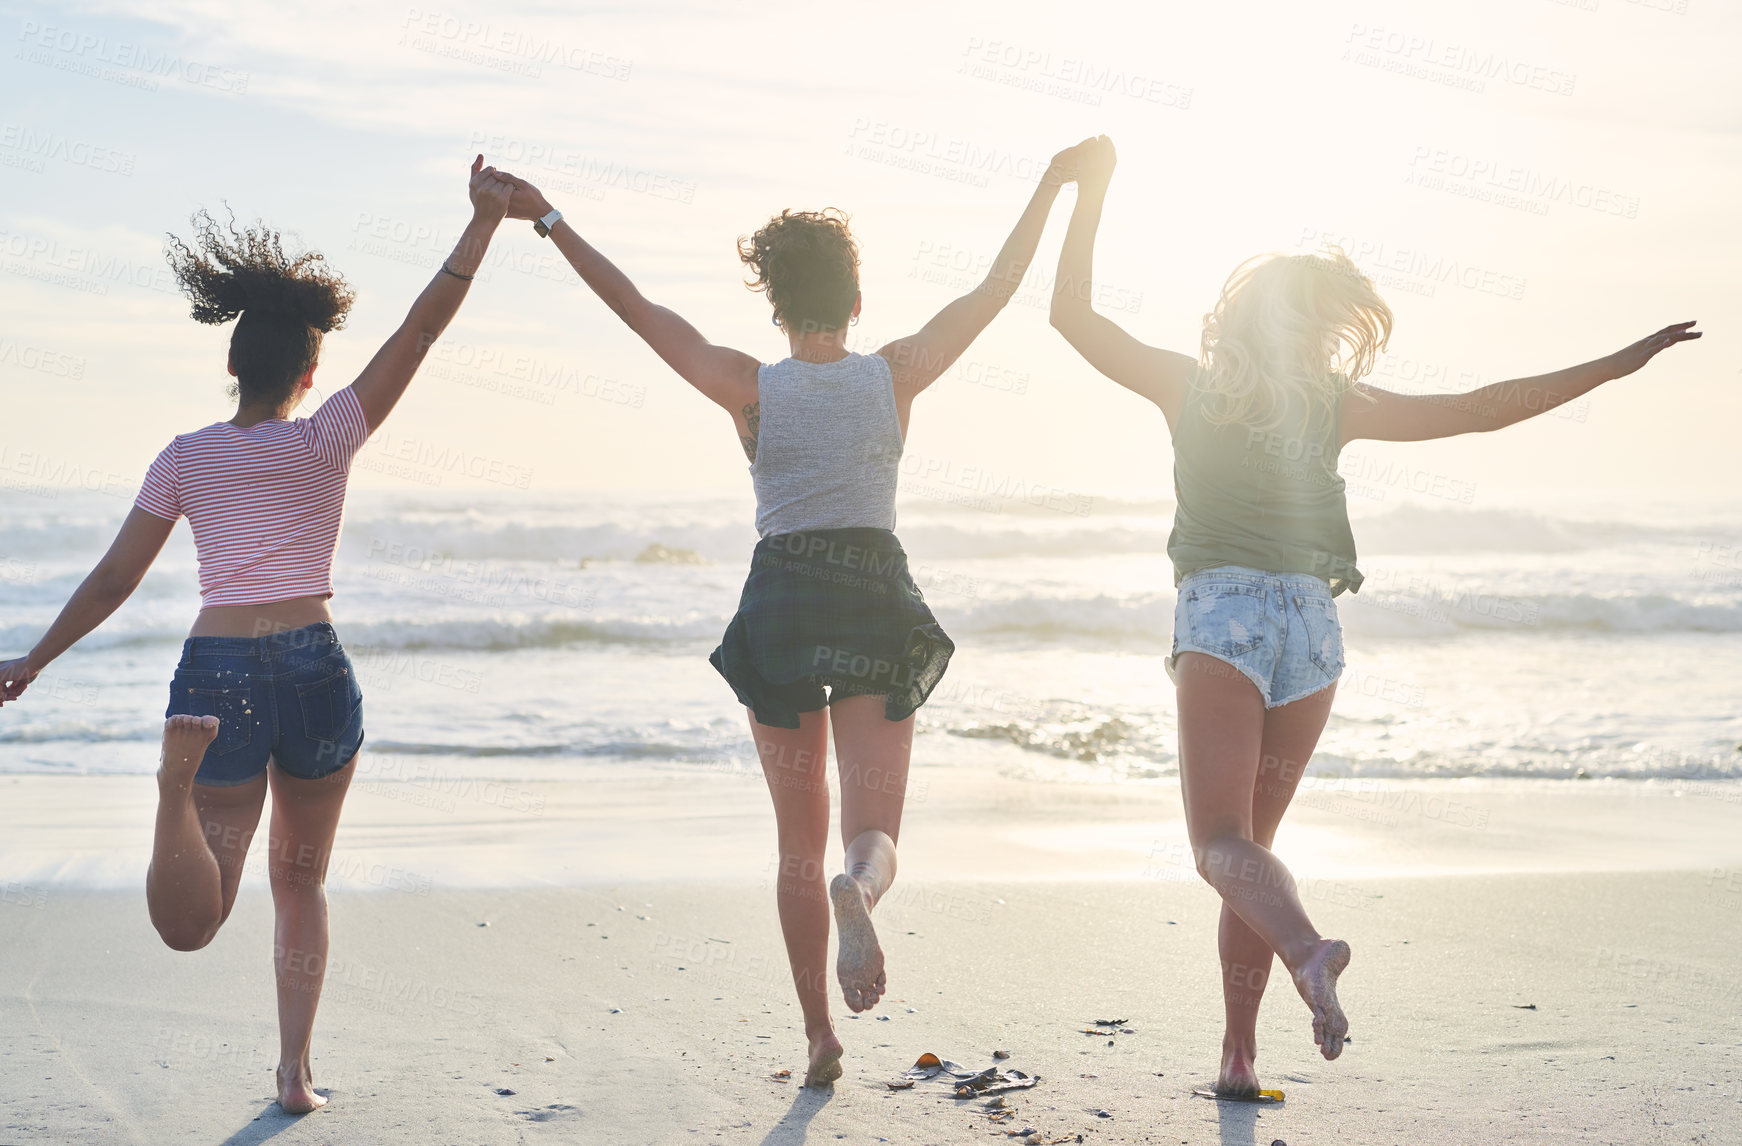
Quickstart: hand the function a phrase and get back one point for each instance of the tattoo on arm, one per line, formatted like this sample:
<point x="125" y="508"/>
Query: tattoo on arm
<point x="753" y="423"/>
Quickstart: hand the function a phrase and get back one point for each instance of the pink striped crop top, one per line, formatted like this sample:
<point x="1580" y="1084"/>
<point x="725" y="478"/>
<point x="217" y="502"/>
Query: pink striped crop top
<point x="264" y="503"/>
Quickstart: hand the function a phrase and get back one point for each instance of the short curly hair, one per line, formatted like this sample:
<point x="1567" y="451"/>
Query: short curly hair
<point x="285" y="304"/>
<point x="808" y="265"/>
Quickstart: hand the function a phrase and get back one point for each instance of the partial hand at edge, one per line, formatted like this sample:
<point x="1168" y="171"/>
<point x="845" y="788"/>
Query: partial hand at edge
<point x="15" y="677"/>
<point x="1631" y="358"/>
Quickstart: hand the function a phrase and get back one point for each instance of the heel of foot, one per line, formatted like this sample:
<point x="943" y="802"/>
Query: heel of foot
<point x="298" y="1096"/>
<point x="825" y="1070"/>
<point x="859" y="962"/>
<point x="1317" y="983"/>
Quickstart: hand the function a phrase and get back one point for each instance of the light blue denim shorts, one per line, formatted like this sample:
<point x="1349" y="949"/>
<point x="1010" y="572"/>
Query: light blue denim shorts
<point x="1279" y="629"/>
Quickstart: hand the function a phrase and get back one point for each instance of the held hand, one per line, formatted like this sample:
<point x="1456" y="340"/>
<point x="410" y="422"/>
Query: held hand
<point x="15" y="677"/>
<point x="489" y="191"/>
<point x="1064" y="165"/>
<point x="1095" y="162"/>
<point x="1628" y="360"/>
<point x="528" y="202"/>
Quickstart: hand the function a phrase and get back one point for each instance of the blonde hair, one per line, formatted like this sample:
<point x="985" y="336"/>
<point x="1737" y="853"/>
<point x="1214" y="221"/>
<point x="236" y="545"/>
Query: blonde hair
<point x="1288" y="328"/>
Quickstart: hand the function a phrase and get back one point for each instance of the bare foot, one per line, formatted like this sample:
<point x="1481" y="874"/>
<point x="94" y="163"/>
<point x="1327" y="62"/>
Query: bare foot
<point x="185" y="739"/>
<point x="859" y="962"/>
<point x="825" y="1067"/>
<point x="1239" y="1077"/>
<point x="296" y="1090"/>
<point x="1317" y="983"/>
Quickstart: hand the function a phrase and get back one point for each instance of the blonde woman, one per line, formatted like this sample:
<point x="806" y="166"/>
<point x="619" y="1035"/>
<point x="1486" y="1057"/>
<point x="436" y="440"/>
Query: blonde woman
<point x="1261" y="545"/>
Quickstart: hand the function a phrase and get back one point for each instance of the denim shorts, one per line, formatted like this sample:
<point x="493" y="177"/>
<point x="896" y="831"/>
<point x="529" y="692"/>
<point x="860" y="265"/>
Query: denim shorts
<point x="290" y="697"/>
<point x="1279" y="629"/>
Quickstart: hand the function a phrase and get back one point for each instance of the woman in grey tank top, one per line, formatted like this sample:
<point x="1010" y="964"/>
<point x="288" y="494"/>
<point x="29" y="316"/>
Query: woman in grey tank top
<point x="1261" y="542"/>
<point x="830" y="628"/>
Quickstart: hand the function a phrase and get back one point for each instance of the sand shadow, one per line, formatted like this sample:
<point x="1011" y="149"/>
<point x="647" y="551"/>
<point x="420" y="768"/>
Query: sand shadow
<point x="795" y="1123"/>
<point x="270" y="1122"/>
<point x="1238" y="1122"/>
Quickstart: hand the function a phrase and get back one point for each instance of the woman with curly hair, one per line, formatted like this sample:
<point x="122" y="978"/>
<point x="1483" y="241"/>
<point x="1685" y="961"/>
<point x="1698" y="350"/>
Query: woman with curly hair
<point x="830" y="628"/>
<point x="1261" y="544"/>
<point x="264" y="695"/>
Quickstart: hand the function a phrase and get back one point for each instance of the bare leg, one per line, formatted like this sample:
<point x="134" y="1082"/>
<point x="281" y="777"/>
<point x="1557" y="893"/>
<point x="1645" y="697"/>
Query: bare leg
<point x="1291" y="732"/>
<point x="202" y="837"/>
<point x="792" y="762"/>
<point x="1222" y="722"/>
<point x="873" y="753"/>
<point x="305" y="815"/>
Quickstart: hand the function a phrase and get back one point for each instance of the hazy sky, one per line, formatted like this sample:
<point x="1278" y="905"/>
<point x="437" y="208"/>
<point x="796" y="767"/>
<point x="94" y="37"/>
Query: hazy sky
<point x="1532" y="182"/>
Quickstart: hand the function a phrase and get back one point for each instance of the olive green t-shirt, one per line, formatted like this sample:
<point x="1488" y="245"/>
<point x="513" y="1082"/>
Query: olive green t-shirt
<point x="1266" y="499"/>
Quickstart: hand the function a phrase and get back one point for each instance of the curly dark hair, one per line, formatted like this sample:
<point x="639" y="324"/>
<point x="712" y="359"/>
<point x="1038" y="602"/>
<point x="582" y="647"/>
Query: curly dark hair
<point x="286" y="304"/>
<point x="808" y="265"/>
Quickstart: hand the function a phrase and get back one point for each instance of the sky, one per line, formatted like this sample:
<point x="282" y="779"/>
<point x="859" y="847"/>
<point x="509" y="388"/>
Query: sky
<point x="1532" y="183"/>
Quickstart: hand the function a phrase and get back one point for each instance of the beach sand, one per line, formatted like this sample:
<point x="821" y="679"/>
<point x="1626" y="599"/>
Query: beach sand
<point x="1534" y="962"/>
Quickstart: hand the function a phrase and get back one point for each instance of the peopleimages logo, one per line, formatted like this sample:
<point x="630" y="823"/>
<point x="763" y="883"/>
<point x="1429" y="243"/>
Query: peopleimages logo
<point x="923" y="150"/>
<point x="45" y="145"/>
<point x="437" y="459"/>
<point x="1065" y="77"/>
<point x="27" y="356"/>
<point x="1413" y="267"/>
<point x="1450" y="63"/>
<point x="506" y="49"/>
<point x="79" y="267"/>
<point x="72" y="50"/>
<point x="579" y="170"/>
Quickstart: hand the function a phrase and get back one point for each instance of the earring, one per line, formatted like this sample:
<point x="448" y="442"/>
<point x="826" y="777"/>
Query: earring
<point x="854" y="321"/>
<point x="774" y="319"/>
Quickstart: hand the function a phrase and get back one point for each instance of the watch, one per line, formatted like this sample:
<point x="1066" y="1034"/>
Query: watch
<point x="543" y="226"/>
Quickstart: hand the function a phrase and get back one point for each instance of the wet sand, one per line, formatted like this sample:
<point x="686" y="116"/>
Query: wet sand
<point x="1533" y="963"/>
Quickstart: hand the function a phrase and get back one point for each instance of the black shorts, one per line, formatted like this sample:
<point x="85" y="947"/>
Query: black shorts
<point x="834" y="609"/>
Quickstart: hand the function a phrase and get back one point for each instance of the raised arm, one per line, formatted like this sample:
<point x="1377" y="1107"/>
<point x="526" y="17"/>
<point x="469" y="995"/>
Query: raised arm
<point x="100" y="594"/>
<point x="726" y="376"/>
<point x="1395" y="417"/>
<point x="1159" y="375"/>
<point x="382" y="382"/>
<point x="920" y="359"/>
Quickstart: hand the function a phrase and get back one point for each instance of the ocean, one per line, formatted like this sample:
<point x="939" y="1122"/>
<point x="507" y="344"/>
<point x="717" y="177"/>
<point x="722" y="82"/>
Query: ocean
<point x="524" y="635"/>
